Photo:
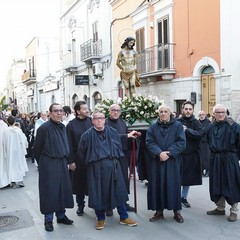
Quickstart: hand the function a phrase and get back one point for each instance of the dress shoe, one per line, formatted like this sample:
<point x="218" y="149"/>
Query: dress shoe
<point x="129" y="208"/>
<point x="109" y="212"/>
<point x="21" y="184"/>
<point x="14" y="185"/>
<point x="178" y="217"/>
<point x="157" y="216"/>
<point x="80" y="212"/>
<point x="48" y="226"/>
<point x="65" y="220"/>
<point x="216" y="212"/>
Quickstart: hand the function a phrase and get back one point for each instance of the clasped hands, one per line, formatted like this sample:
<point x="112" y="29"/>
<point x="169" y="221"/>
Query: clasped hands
<point x="164" y="156"/>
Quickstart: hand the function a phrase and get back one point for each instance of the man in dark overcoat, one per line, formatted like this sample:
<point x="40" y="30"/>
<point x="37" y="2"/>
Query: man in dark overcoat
<point x="204" y="146"/>
<point x="75" y="129"/>
<point x="100" y="149"/>
<point x="51" y="150"/>
<point x="192" y="170"/>
<point x="224" y="177"/>
<point x="165" y="141"/>
<point x="115" y="121"/>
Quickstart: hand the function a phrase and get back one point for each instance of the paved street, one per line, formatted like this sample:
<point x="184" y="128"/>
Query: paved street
<point x="23" y="204"/>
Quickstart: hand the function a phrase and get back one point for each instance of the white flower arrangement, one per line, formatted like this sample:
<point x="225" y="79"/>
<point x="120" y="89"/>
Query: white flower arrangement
<point x="135" y="108"/>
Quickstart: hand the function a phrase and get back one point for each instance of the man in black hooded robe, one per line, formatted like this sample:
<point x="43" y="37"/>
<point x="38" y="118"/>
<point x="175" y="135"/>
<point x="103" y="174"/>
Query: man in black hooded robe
<point x="192" y="168"/>
<point x="51" y="150"/>
<point x="165" y="141"/>
<point x="75" y="129"/>
<point x="115" y="121"/>
<point x="224" y="177"/>
<point x="100" y="149"/>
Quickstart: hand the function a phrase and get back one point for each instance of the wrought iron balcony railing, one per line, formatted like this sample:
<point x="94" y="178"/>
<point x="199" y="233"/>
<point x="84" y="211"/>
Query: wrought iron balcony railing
<point x="156" y="60"/>
<point x="91" y="50"/>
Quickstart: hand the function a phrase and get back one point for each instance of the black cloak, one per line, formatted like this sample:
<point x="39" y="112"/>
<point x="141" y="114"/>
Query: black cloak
<point x="192" y="168"/>
<point x="51" y="150"/>
<point x="164" y="182"/>
<point x="75" y="129"/>
<point x="101" y="152"/>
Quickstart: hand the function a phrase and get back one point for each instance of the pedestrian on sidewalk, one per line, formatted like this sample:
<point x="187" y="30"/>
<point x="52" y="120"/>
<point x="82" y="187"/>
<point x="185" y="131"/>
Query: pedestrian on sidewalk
<point x="165" y="141"/>
<point x="224" y="177"/>
<point x="51" y="150"/>
<point x="100" y="149"/>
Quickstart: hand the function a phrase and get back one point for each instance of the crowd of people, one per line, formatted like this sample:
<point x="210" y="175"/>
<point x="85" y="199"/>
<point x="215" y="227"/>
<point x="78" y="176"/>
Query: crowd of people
<point x="89" y="156"/>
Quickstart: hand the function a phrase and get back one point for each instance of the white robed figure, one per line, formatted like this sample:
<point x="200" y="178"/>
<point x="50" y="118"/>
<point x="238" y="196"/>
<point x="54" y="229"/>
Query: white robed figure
<point x="14" y="151"/>
<point x="3" y="164"/>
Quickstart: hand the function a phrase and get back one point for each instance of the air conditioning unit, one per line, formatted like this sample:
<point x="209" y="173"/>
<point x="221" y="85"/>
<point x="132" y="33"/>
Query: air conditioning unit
<point x="97" y="69"/>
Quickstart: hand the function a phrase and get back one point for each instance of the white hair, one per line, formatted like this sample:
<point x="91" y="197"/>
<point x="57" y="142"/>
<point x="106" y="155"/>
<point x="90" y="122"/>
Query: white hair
<point x="219" y="106"/>
<point x="164" y="106"/>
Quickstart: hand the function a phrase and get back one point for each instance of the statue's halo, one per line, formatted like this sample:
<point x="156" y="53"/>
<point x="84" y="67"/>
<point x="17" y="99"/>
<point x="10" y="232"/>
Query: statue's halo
<point x="125" y="33"/>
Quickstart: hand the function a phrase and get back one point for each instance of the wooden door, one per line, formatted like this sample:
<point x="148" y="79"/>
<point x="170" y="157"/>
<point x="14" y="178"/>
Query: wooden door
<point x="208" y="93"/>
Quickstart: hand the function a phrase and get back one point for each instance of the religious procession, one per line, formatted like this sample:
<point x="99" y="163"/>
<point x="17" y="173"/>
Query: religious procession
<point x="121" y="121"/>
<point x="87" y="158"/>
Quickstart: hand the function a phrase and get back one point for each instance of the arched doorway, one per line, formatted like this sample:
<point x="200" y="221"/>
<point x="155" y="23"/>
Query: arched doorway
<point x="53" y="99"/>
<point x="85" y="98"/>
<point x="208" y="83"/>
<point x="97" y="98"/>
<point x="74" y="100"/>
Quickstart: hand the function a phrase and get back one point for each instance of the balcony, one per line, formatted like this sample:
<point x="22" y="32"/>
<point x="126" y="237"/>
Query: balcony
<point x="29" y="77"/>
<point x="70" y="62"/>
<point x="157" y="61"/>
<point x="91" y="51"/>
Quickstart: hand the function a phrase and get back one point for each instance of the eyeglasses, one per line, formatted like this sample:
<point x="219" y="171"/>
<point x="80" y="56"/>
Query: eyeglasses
<point x="115" y="110"/>
<point x="57" y="110"/>
<point x="218" y="113"/>
<point x="163" y="112"/>
<point x="98" y="118"/>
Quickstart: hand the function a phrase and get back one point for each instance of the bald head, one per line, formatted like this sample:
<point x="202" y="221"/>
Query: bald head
<point x="114" y="111"/>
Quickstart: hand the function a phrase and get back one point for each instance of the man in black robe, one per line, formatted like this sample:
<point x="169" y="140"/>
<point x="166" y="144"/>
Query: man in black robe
<point x="192" y="170"/>
<point x="165" y="141"/>
<point x="51" y="150"/>
<point x="115" y="121"/>
<point x="75" y="129"/>
<point x="204" y="146"/>
<point x="224" y="177"/>
<point x="100" y="149"/>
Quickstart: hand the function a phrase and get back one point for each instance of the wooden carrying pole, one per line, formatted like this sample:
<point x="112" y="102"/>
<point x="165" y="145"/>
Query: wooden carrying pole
<point x="133" y="169"/>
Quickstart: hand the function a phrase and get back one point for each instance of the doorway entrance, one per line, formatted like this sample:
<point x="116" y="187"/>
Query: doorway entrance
<point x="208" y="83"/>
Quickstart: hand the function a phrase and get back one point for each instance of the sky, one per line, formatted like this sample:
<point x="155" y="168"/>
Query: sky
<point x="20" y="22"/>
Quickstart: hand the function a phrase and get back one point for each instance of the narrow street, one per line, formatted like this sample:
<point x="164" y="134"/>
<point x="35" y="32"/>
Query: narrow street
<point x="20" y="218"/>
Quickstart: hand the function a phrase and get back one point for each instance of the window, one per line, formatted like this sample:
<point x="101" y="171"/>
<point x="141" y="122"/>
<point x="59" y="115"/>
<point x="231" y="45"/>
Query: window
<point x="140" y="43"/>
<point x="163" y="30"/>
<point x="95" y="31"/>
<point x="163" y="41"/>
<point x="140" y="46"/>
